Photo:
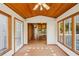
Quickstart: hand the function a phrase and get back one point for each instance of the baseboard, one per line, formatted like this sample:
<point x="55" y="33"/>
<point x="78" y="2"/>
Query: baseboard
<point x="20" y="48"/>
<point x="62" y="50"/>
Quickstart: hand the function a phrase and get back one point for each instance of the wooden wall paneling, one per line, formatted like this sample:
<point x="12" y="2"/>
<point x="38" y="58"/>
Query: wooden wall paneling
<point x="9" y="33"/>
<point x="63" y="32"/>
<point x="73" y="33"/>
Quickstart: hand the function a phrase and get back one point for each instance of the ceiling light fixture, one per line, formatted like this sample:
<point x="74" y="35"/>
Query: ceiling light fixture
<point x="41" y="5"/>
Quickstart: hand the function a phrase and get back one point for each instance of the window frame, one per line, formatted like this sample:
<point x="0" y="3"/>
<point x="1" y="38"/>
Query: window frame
<point x="9" y="28"/>
<point x="73" y="32"/>
<point x="15" y="32"/>
<point x="58" y="23"/>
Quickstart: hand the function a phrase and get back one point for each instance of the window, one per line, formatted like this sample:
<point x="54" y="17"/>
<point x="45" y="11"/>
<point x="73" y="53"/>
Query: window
<point x="18" y="34"/>
<point x="5" y="32"/>
<point x="61" y="31"/>
<point x="71" y="32"/>
<point x="77" y="31"/>
<point x="68" y="32"/>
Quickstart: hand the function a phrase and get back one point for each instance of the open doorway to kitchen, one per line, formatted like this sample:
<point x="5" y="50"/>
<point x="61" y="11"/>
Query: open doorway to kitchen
<point x="37" y="33"/>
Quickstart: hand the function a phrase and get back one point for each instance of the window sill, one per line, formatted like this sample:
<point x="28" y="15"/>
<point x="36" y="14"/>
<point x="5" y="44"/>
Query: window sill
<point x="4" y="51"/>
<point x="70" y="49"/>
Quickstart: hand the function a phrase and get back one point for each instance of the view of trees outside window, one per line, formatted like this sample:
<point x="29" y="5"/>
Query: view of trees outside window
<point x="77" y="31"/>
<point x="3" y="32"/>
<point x="61" y="25"/>
<point x="68" y="32"/>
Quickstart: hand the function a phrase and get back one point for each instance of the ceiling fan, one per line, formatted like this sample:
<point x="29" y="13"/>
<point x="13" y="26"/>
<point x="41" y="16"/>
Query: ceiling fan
<point x="41" y="5"/>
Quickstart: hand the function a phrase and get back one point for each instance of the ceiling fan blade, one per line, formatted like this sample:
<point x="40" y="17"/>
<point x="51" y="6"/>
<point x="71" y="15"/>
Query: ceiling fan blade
<point x="36" y="6"/>
<point x="46" y="6"/>
<point x="41" y="8"/>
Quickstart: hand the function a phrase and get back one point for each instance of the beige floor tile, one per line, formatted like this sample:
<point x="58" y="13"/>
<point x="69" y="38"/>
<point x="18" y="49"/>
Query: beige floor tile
<point x="40" y="49"/>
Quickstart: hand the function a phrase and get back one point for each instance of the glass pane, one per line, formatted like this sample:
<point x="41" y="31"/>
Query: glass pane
<point x="68" y="32"/>
<point x="61" y="32"/>
<point x="22" y="32"/>
<point x="3" y="32"/>
<point x="77" y="32"/>
<point x="18" y="34"/>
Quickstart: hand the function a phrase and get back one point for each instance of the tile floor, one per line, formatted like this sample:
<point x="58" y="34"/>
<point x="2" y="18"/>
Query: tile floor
<point x="36" y="48"/>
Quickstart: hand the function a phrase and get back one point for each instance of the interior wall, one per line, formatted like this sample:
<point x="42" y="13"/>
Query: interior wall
<point x="51" y="28"/>
<point x="30" y="31"/>
<point x="71" y="11"/>
<point x="7" y="10"/>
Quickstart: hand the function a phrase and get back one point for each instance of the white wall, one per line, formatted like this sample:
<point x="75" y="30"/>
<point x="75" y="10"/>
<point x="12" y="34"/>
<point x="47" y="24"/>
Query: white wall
<point x="51" y="28"/>
<point x="7" y="10"/>
<point x="71" y="11"/>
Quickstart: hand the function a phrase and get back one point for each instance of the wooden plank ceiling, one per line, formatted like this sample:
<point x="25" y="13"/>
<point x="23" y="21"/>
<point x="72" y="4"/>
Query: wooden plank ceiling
<point x="26" y="9"/>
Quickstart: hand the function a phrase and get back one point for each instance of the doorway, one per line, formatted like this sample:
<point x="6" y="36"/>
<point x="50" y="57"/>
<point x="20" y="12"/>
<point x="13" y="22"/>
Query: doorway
<point x="37" y="33"/>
